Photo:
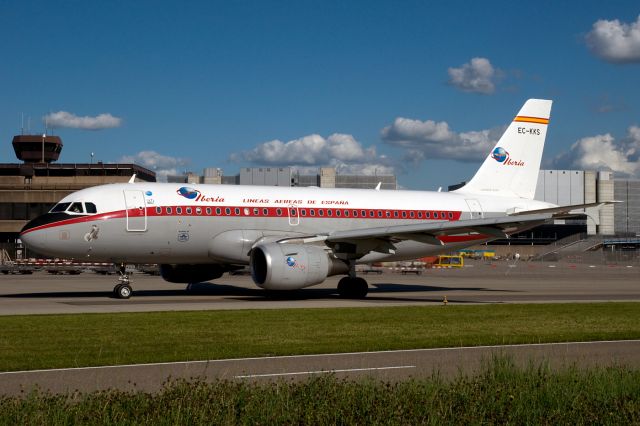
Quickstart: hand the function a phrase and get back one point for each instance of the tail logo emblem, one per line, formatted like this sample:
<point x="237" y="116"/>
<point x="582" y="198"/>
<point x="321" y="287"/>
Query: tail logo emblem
<point x="502" y="156"/>
<point x="499" y="154"/>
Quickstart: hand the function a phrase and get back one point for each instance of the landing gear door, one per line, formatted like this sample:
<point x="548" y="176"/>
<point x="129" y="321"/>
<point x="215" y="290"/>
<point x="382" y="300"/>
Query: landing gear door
<point x="136" y="211"/>
<point x="475" y="209"/>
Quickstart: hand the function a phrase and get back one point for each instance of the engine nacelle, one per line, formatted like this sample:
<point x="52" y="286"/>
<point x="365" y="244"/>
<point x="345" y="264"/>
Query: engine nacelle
<point x="289" y="267"/>
<point x="187" y="274"/>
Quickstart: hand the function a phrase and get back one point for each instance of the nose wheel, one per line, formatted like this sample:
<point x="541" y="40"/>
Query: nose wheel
<point x="123" y="289"/>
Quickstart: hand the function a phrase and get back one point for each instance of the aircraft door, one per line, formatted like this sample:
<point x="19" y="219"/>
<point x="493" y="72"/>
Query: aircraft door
<point x="294" y="215"/>
<point x="136" y="210"/>
<point x="475" y="209"/>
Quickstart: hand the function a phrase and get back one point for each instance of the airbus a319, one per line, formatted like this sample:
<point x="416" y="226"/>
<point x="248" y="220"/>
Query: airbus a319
<point x="293" y="237"/>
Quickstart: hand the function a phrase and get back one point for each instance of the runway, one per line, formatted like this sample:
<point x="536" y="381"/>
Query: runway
<point x="387" y="366"/>
<point x="478" y="282"/>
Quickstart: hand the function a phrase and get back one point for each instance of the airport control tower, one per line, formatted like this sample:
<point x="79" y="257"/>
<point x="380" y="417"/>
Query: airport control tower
<point x="37" y="148"/>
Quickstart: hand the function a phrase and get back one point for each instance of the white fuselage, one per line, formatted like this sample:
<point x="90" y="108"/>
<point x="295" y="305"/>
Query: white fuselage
<point x="183" y="223"/>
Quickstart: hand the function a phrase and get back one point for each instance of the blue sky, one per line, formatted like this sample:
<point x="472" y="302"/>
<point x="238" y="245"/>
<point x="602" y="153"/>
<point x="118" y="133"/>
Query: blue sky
<point x="416" y="88"/>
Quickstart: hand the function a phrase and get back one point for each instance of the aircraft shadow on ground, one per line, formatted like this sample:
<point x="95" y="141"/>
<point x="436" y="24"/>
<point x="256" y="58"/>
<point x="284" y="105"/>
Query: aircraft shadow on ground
<point x="377" y="292"/>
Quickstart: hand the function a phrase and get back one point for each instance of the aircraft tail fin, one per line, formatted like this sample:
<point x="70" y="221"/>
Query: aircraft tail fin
<point x="512" y="167"/>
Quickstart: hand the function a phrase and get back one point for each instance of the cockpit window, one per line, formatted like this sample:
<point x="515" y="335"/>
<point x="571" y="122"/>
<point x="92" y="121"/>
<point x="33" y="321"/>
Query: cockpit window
<point x="90" y="208"/>
<point x="76" y="208"/>
<point x="60" y="207"/>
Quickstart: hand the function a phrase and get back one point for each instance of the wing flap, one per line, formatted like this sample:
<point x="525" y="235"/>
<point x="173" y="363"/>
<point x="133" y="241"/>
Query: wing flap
<point x="428" y="233"/>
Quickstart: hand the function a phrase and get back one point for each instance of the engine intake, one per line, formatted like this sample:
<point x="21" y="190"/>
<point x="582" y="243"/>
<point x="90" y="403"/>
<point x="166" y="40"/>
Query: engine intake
<point x="289" y="267"/>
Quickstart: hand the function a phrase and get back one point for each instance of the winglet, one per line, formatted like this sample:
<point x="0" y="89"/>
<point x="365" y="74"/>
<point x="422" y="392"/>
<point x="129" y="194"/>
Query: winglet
<point x="133" y="178"/>
<point x="378" y="186"/>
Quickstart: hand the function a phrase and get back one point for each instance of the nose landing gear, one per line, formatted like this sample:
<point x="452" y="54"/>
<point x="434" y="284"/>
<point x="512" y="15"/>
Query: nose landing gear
<point x="123" y="289"/>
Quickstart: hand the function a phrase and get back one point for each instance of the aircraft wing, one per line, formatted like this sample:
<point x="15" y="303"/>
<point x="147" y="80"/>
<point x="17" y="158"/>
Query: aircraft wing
<point x="362" y="241"/>
<point x="563" y="211"/>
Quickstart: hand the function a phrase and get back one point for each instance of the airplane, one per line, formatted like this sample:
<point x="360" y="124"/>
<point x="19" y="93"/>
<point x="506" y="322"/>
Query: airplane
<point x="296" y="237"/>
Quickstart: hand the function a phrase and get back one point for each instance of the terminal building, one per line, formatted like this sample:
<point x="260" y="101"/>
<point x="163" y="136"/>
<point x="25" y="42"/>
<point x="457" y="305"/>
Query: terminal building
<point x="327" y="177"/>
<point x="30" y="188"/>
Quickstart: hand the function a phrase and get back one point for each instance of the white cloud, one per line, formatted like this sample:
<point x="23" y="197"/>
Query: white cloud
<point x="429" y="139"/>
<point x="603" y="152"/>
<point x="615" y="41"/>
<point x="476" y="76"/>
<point x="339" y="150"/>
<point x="162" y="165"/>
<point x="408" y="129"/>
<point x="67" y="119"/>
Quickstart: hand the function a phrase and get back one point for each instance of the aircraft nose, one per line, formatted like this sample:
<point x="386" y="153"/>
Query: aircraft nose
<point x="34" y="234"/>
<point x="42" y="222"/>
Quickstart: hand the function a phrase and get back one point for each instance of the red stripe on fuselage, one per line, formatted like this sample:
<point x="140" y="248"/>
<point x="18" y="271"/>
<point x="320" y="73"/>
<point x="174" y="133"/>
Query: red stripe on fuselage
<point x="305" y="213"/>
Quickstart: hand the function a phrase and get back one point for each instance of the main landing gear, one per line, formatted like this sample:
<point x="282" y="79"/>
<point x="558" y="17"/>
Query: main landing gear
<point x="123" y="289"/>
<point x="353" y="288"/>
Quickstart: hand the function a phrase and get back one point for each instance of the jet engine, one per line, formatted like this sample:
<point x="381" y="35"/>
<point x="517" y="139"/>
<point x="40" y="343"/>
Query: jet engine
<point x="277" y="266"/>
<point x="188" y="274"/>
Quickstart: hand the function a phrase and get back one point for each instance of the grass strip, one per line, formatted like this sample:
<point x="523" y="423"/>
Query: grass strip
<point x="56" y="341"/>
<point x="502" y="394"/>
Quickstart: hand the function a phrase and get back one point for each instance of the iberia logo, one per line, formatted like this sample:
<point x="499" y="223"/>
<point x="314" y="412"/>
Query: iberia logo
<point x="195" y="195"/>
<point x="502" y="156"/>
<point x="188" y="193"/>
<point x="294" y="264"/>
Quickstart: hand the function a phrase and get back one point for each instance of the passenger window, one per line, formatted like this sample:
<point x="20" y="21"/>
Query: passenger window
<point x="60" y="207"/>
<point x="188" y="210"/>
<point x="169" y="210"/>
<point x="90" y="208"/>
<point x="76" y="208"/>
<point x="312" y="212"/>
<point x="178" y="210"/>
<point x="158" y="210"/>
<point x="208" y="210"/>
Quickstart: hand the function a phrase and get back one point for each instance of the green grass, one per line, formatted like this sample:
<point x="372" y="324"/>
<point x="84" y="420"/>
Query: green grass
<point x="54" y="341"/>
<point x="501" y="394"/>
